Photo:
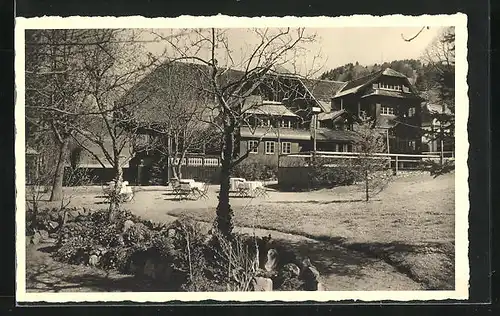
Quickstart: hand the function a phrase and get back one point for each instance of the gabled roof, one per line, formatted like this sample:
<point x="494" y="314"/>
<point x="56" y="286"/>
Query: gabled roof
<point x="270" y="108"/>
<point x="323" y="89"/>
<point x="355" y="85"/>
<point x="330" y="115"/>
<point x="156" y="91"/>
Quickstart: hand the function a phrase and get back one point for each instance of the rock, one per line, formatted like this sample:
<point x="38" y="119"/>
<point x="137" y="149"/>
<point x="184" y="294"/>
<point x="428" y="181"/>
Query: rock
<point x="50" y="240"/>
<point x="310" y="275"/>
<point x="53" y="225"/>
<point x="293" y="268"/>
<point x="272" y="260"/>
<point x="54" y="235"/>
<point x="93" y="260"/>
<point x="262" y="284"/>
<point x="44" y="234"/>
<point x="35" y="239"/>
<point x="127" y="224"/>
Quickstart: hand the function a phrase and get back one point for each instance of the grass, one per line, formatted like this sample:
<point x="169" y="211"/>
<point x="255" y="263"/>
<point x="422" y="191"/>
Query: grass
<point x="409" y="225"/>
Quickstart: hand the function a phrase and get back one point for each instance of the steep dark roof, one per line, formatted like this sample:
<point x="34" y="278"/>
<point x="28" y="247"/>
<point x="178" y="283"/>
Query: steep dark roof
<point x="330" y="115"/>
<point x="355" y="85"/>
<point x="323" y="90"/>
<point x="153" y="95"/>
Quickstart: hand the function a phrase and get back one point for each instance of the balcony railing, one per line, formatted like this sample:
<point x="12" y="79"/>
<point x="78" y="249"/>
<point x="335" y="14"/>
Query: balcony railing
<point x="196" y="161"/>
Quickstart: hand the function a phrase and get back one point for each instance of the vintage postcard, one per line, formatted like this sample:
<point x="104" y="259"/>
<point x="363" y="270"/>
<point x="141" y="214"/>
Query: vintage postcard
<point x="193" y="158"/>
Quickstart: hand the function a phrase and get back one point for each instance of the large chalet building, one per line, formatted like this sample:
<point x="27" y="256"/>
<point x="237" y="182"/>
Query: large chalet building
<point x="281" y="117"/>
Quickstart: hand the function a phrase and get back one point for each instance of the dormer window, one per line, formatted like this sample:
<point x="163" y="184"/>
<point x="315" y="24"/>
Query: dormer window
<point x="264" y="123"/>
<point x="386" y="86"/>
<point x="285" y="123"/>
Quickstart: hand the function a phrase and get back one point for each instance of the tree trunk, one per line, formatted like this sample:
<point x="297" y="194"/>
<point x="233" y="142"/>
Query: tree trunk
<point x="57" y="184"/>
<point x="367" y="197"/>
<point x="114" y="205"/>
<point x="224" y="212"/>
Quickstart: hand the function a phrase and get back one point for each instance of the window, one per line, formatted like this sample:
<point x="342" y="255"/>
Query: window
<point x="253" y="146"/>
<point x="264" y="123"/>
<point x="286" y="124"/>
<point x="270" y="148"/>
<point x="286" y="148"/>
<point x="412" y="144"/>
<point x="386" y="110"/>
<point x="390" y="87"/>
<point x="411" y="112"/>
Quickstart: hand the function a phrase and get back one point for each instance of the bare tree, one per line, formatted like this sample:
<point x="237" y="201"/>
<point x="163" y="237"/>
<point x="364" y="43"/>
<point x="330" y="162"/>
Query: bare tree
<point x="440" y="54"/>
<point x="88" y="72"/>
<point x="54" y="90"/>
<point x="175" y="115"/>
<point x="368" y="142"/>
<point x="212" y="51"/>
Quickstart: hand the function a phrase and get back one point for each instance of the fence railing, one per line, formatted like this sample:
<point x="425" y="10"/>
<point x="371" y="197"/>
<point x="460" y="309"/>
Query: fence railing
<point x="396" y="161"/>
<point x="196" y="161"/>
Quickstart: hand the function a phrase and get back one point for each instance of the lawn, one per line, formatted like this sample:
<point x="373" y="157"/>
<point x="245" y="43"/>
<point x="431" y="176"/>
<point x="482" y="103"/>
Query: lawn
<point x="409" y="225"/>
<point x="407" y="230"/>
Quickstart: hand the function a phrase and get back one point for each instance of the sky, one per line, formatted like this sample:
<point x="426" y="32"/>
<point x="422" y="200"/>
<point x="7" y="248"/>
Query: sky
<point x="334" y="47"/>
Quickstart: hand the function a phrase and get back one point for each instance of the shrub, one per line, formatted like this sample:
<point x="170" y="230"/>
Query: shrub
<point x="256" y="169"/>
<point x="436" y="169"/>
<point x="41" y="219"/>
<point x="287" y="281"/>
<point x="330" y="173"/>
<point x="158" y="172"/>
<point x="116" y="258"/>
<point x="76" y="249"/>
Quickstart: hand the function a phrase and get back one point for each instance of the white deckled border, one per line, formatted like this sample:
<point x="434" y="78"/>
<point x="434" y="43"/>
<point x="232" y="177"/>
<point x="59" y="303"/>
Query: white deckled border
<point x="461" y="174"/>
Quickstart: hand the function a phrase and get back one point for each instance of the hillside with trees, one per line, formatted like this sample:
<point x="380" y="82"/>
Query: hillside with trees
<point x="411" y="68"/>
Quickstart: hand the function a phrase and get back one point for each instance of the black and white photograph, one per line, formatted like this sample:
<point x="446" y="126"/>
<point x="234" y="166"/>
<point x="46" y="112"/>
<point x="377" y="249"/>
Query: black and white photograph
<point x="219" y="157"/>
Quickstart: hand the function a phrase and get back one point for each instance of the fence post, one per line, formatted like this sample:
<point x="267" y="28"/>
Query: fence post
<point x="396" y="167"/>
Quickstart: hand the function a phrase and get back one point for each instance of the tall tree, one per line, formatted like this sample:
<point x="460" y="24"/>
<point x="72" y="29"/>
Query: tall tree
<point x="55" y="90"/>
<point x="212" y="49"/>
<point x="440" y="56"/>
<point x="75" y="81"/>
